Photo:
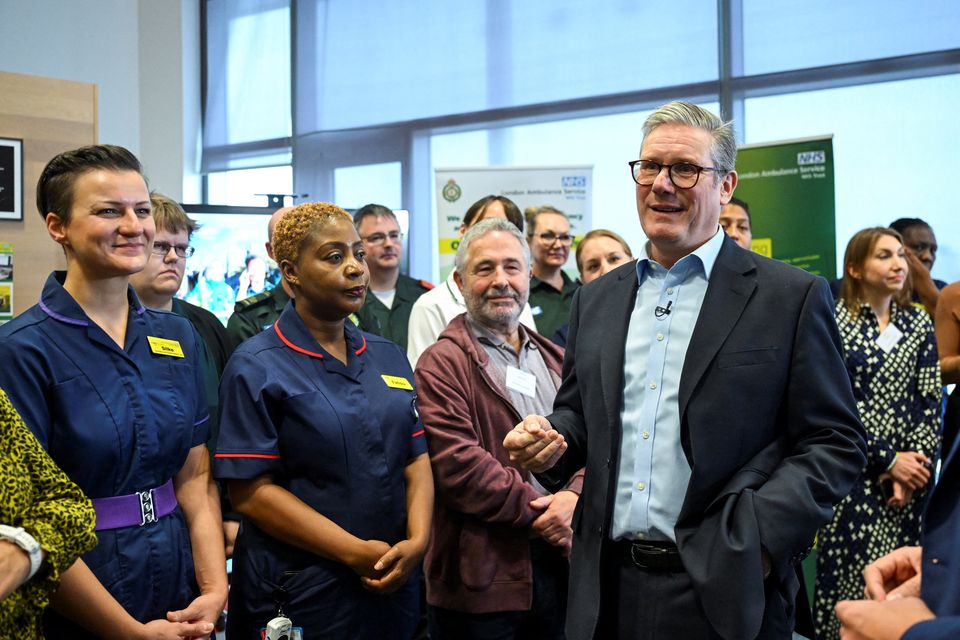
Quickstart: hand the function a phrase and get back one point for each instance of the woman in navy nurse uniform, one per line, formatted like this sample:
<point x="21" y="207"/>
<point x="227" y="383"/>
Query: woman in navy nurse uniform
<point x="114" y="392"/>
<point x="324" y="453"/>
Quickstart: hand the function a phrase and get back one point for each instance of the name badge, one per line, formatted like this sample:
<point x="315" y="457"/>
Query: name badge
<point x="889" y="338"/>
<point x="521" y="382"/>
<point x="164" y="347"/>
<point x="397" y="382"/>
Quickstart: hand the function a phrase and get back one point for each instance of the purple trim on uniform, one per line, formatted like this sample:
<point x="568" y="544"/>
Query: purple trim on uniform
<point x="56" y="316"/>
<point x="200" y="422"/>
<point x="129" y="511"/>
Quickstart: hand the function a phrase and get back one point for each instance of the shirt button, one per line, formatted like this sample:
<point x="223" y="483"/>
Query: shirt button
<point x="641" y="486"/>
<point x="646" y="435"/>
<point x="670" y="291"/>
<point x="935" y="561"/>
<point x="659" y="337"/>
<point x="653" y="385"/>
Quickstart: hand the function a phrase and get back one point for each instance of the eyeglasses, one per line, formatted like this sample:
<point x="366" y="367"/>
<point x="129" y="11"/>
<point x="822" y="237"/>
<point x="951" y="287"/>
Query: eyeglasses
<point x="182" y="250"/>
<point x="549" y="237"/>
<point x="684" y="175"/>
<point x="380" y="238"/>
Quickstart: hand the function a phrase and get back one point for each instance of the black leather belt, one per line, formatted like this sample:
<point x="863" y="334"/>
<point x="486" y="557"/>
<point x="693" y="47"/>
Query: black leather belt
<point x="650" y="556"/>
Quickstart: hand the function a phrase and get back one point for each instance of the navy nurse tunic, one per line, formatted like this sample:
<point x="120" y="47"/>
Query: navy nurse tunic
<point x="338" y="437"/>
<point x="117" y="421"/>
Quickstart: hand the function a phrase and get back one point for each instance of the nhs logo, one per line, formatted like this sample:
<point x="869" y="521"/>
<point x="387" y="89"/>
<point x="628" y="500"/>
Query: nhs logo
<point x="573" y="182"/>
<point x="811" y="157"/>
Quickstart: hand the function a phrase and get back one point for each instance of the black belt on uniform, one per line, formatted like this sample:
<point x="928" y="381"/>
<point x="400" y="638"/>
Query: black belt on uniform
<point x="653" y="556"/>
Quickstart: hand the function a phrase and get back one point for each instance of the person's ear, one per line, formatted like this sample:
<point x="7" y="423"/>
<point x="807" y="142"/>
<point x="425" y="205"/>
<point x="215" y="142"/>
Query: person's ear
<point x="458" y="280"/>
<point x="289" y="272"/>
<point x="57" y="228"/>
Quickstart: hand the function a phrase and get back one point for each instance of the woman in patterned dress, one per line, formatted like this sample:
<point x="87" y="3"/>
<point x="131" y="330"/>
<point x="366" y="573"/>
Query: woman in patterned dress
<point x="891" y="355"/>
<point x="37" y="497"/>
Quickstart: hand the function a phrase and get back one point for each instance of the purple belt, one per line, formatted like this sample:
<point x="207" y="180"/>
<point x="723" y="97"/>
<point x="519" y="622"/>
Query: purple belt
<point x="136" y="509"/>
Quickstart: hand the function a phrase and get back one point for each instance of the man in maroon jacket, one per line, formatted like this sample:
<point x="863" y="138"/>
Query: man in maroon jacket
<point x="496" y="566"/>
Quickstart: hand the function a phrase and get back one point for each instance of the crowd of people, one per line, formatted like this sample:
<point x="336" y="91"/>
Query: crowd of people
<point x="647" y="451"/>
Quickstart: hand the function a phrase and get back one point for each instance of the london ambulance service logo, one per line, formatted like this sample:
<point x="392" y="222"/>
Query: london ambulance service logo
<point x="451" y="191"/>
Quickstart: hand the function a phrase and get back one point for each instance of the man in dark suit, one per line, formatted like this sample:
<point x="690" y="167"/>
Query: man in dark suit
<point x="900" y="605"/>
<point x="705" y="392"/>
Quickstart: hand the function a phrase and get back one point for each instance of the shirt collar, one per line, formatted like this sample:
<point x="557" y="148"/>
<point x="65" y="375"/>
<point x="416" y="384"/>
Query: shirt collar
<point x="704" y="256"/>
<point x="294" y="334"/>
<point x="57" y="302"/>
<point x="454" y="290"/>
<point x="485" y="335"/>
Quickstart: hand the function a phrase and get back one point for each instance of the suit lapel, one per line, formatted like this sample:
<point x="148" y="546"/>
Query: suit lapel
<point x="732" y="282"/>
<point x="618" y="305"/>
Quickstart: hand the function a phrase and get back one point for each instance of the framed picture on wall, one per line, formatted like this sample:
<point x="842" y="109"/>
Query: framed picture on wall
<point x="11" y="179"/>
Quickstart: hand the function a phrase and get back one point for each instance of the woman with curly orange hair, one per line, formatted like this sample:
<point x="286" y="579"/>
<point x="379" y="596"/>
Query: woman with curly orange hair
<point x="323" y="450"/>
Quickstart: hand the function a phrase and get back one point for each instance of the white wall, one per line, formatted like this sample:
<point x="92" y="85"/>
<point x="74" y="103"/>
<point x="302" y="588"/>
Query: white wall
<point x="144" y="58"/>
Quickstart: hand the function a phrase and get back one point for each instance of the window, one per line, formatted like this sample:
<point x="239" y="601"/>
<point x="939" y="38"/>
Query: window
<point x="894" y="153"/>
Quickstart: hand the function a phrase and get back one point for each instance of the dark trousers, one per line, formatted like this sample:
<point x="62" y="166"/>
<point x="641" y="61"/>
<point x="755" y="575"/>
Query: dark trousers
<point x="642" y="605"/>
<point x="544" y="620"/>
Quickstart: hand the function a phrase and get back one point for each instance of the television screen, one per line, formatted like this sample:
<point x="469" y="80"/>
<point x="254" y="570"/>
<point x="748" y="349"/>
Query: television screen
<point x="230" y="261"/>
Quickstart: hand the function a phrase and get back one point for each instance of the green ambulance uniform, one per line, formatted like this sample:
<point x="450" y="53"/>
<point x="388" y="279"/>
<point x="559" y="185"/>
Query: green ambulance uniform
<point x="392" y="323"/>
<point x="551" y="308"/>
<point x="254" y="314"/>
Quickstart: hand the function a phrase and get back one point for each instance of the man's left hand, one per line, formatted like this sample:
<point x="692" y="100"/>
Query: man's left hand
<point x="880" y="620"/>
<point x="553" y="525"/>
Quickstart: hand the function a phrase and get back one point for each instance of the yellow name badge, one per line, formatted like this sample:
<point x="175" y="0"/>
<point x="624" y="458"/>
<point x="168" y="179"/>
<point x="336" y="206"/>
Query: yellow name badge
<point x="164" y="347"/>
<point x="397" y="382"/>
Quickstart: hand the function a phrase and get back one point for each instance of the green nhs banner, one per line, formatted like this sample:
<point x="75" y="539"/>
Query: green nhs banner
<point x="790" y="190"/>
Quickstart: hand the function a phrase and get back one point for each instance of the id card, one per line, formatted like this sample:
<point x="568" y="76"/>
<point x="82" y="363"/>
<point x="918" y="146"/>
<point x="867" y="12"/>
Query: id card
<point x="521" y="382"/>
<point x="164" y="347"/>
<point x="889" y="338"/>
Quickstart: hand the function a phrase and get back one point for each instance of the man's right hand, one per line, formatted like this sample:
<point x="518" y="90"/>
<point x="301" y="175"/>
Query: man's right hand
<point x="895" y="574"/>
<point x="534" y="444"/>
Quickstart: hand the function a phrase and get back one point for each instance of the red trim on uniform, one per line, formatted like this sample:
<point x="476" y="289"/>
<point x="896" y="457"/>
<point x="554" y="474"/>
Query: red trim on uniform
<point x="266" y="456"/>
<point x="363" y="348"/>
<point x="283" y="339"/>
<point x="418" y="433"/>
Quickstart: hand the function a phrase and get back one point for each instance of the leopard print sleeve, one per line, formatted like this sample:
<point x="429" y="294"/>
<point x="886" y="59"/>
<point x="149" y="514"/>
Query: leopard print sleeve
<point x="36" y="495"/>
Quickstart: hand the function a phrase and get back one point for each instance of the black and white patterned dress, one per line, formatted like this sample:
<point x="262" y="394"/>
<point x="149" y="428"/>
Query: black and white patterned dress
<point x="898" y="395"/>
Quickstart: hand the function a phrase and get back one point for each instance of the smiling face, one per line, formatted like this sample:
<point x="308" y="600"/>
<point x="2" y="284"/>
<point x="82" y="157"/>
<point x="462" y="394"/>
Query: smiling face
<point x="330" y="276"/>
<point x="111" y="231"/>
<point x="677" y="221"/>
<point x="161" y="278"/>
<point x="884" y="271"/>
<point x="549" y="255"/>
<point x="495" y="281"/>
<point x="599" y="255"/>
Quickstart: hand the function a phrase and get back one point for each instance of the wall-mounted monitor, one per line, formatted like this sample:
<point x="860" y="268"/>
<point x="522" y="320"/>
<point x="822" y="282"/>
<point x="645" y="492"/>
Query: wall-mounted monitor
<point x="230" y="261"/>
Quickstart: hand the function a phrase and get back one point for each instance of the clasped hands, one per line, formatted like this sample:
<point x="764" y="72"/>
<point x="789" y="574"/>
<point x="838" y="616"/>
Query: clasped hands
<point x="892" y="603"/>
<point x="909" y="473"/>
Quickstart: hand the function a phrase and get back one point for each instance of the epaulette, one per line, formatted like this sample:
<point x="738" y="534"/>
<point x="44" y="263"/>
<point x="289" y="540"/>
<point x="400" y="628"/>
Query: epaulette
<point x="252" y="301"/>
<point x="426" y="285"/>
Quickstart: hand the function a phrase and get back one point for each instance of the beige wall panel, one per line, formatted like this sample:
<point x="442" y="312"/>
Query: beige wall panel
<point x="50" y="116"/>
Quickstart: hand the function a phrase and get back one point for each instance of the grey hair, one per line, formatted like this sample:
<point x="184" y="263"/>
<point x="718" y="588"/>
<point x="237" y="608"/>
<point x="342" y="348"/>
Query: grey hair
<point x="481" y="229"/>
<point x="723" y="150"/>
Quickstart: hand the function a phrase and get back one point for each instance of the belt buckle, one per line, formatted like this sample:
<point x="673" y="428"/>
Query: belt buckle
<point x="147" y="512"/>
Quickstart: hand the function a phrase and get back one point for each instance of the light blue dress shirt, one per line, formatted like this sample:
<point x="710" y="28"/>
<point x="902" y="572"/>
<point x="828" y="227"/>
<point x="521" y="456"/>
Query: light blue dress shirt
<point x="653" y="472"/>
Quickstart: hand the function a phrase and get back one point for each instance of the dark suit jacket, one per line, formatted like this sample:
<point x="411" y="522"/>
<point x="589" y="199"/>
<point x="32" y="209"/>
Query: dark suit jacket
<point x="940" y="587"/>
<point x="768" y="424"/>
